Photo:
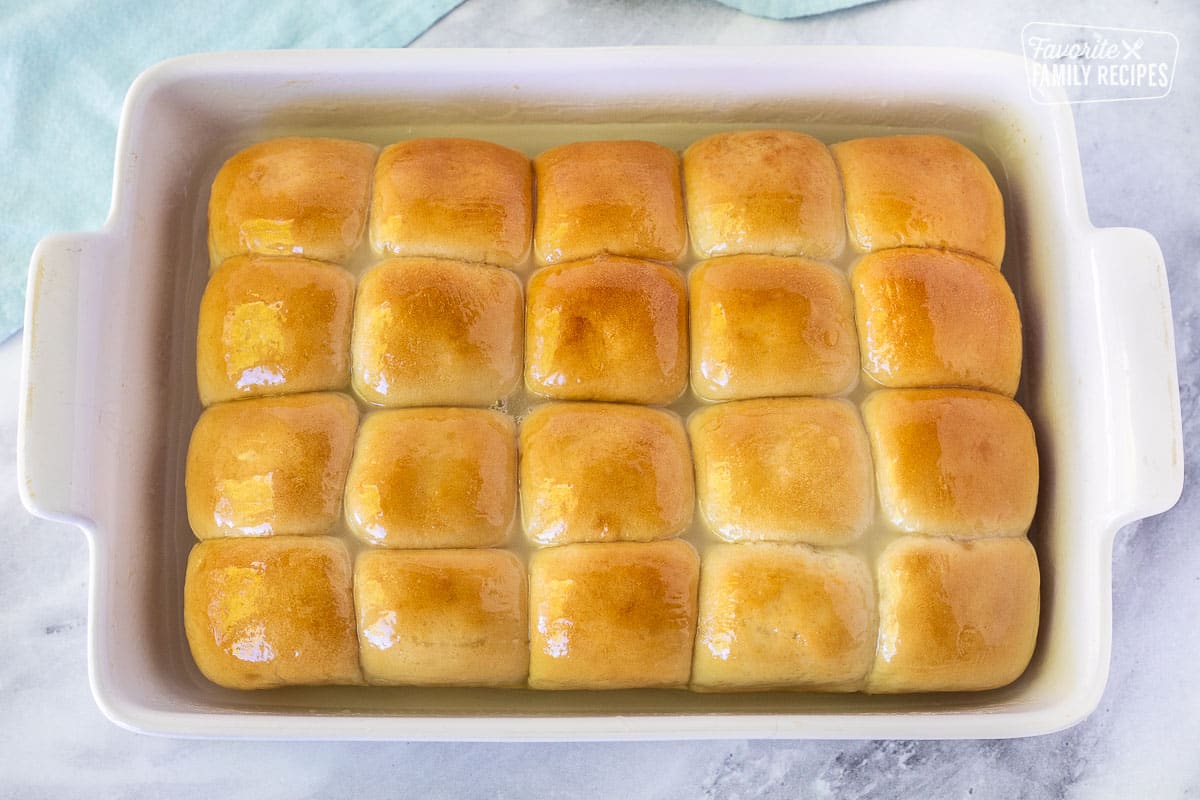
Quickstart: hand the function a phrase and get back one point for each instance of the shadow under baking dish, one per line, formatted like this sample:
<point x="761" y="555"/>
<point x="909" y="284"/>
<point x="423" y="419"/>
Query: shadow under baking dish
<point x="180" y="298"/>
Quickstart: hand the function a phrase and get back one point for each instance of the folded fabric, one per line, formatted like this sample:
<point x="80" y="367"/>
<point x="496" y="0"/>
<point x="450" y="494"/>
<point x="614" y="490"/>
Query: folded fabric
<point x="64" y="70"/>
<point x="790" y="9"/>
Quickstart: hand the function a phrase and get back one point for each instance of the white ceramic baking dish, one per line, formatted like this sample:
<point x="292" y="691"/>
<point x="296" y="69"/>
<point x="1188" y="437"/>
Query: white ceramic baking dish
<point x="108" y="393"/>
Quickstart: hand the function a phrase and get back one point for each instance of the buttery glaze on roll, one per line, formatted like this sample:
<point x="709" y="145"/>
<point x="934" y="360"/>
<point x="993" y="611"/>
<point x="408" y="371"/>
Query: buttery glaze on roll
<point x="442" y="618"/>
<point x="622" y="198"/>
<point x="769" y="191"/>
<point x="776" y="616"/>
<point x="764" y="326"/>
<point x="931" y="318"/>
<point x="272" y="326"/>
<point x="955" y="616"/>
<point x="612" y="616"/>
<point x="291" y="196"/>
<point x="261" y="613"/>
<point x="433" y="477"/>
<point x="270" y="466"/>
<point x="920" y="191"/>
<point x="953" y="462"/>
<point x="607" y="328"/>
<point x="597" y="472"/>
<point x="784" y="470"/>
<point x="432" y="332"/>
<point x="453" y="198"/>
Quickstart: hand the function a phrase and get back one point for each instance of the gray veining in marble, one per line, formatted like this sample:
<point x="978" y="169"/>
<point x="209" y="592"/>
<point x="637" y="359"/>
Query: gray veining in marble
<point x="1144" y="740"/>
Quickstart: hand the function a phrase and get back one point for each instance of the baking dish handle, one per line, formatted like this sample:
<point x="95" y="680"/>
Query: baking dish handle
<point x="1141" y="384"/>
<point x="58" y="377"/>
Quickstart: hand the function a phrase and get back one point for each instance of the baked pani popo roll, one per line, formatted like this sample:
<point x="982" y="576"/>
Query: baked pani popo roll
<point x="777" y="616"/>
<point x="270" y="466"/>
<point x="931" y="318"/>
<point x="601" y="472"/>
<point x="621" y="197"/>
<point x="453" y="198"/>
<point x="270" y="326"/>
<point x="783" y="470"/>
<point x="607" y="328"/>
<point x="291" y="196"/>
<point x="920" y="191"/>
<point x="262" y="613"/>
<point x="764" y="326"/>
<point x="442" y="617"/>
<point x="433" y="477"/>
<point x="953" y="462"/>
<point x="955" y="616"/>
<point x="771" y="192"/>
<point x="435" y="332"/>
<point x="612" y="616"/>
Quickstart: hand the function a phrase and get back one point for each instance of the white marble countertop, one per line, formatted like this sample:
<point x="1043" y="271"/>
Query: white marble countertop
<point x="1140" y="169"/>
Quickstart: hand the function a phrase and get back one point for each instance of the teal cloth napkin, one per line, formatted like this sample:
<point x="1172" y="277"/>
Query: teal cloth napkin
<point x="65" y="66"/>
<point x="791" y="9"/>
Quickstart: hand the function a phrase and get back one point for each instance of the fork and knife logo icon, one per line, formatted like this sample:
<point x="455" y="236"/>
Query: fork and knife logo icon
<point x="1133" y="48"/>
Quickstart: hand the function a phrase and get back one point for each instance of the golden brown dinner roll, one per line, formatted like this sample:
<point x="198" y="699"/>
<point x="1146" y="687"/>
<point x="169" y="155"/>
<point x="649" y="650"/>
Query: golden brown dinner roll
<point x="595" y="472"/>
<point x="273" y="326"/>
<point x="621" y="197"/>
<point x="261" y="613"/>
<point x="920" y="191"/>
<point x="785" y="470"/>
<point x="453" y="198"/>
<point x="431" y="332"/>
<point x="779" y="616"/>
<point x="607" y="328"/>
<point x="612" y="616"/>
<point x="291" y="196"/>
<point x="932" y="318"/>
<point x="433" y="477"/>
<point x="955" y="616"/>
<point x="767" y="191"/>
<point x="442" y="617"/>
<point x="764" y="326"/>
<point x="953" y="462"/>
<point x="274" y="465"/>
